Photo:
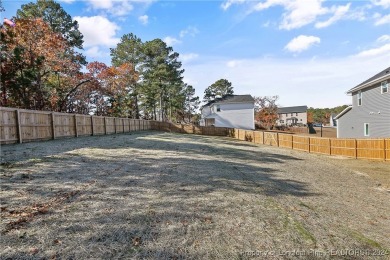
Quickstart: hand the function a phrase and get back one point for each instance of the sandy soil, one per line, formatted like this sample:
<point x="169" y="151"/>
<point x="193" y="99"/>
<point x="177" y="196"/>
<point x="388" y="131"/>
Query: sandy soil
<point x="171" y="196"/>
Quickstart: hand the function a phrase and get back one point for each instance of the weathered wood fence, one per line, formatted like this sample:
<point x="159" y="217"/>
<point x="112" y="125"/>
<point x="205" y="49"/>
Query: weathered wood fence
<point x="18" y="125"/>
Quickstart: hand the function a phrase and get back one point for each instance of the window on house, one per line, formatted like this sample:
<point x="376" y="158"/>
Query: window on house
<point x="384" y="87"/>
<point x="218" y="108"/>
<point x="359" y="96"/>
<point x="281" y="121"/>
<point x="296" y="114"/>
<point x="292" y="114"/>
<point x="366" y="129"/>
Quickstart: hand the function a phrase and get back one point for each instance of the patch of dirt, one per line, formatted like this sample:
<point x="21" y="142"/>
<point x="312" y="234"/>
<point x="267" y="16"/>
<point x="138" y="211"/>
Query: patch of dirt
<point x="151" y="195"/>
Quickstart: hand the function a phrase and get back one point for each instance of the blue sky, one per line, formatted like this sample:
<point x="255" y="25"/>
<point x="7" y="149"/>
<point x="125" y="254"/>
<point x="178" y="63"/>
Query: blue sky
<point x="308" y="52"/>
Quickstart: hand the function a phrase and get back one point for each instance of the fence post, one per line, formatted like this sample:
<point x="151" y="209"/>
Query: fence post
<point x="92" y="126"/>
<point x="18" y="126"/>
<point x="115" y="125"/>
<point x="292" y="142"/>
<point x="277" y="139"/>
<point x="75" y="126"/>
<point x="384" y="149"/>
<point x="309" y="144"/>
<point x="105" y="126"/>
<point x="53" y="127"/>
<point x="330" y="146"/>
<point x="356" y="154"/>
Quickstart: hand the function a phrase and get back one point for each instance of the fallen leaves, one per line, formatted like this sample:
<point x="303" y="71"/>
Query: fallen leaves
<point x="33" y="251"/>
<point x="136" y="241"/>
<point x="27" y="214"/>
<point x="208" y="220"/>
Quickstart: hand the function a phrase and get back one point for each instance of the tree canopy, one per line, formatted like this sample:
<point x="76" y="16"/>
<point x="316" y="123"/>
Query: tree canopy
<point x="56" y="17"/>
<point x="322" y="115"/>
<point x="219" y="88"/>
<point x="41" y="69"/>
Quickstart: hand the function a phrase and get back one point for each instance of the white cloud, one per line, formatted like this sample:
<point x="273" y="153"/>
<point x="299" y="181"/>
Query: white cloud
<point x="339" y="13"/>
<point x="298" y="13"/>
<point x="170" y="41"/>
<point x="229" y="3"/>
<point x="301" y="13"/>
<point x="190" y="30"/>
<point x="233" y="63"/>
<point x="382" y="3"/>
<point x="144" y="19"/>
<point x="94" y="52"/>
<point x="380" y="20"/>
<point x="118" y="8"/>
<point x="97" y="30"/>
<point x="186" y="57"/>
<point x="67" y="1"/>
<point x="384" y="38"/>
<point x="301" y="43"/>
<point x="380" y="51"/>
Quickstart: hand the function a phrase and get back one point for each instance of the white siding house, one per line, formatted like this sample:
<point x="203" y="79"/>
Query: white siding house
<point x="233" y="111"/>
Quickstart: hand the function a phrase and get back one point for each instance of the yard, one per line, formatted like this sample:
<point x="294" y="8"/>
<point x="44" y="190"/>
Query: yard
<point x="171" y="196"/>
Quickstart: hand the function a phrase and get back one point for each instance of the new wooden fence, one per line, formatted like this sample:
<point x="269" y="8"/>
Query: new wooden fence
<point x="17" y="125"/>
<point x="374" y="149"/>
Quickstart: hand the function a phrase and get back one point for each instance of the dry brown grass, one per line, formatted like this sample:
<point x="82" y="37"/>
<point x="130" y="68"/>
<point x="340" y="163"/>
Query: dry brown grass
<point x="171" y="196"/>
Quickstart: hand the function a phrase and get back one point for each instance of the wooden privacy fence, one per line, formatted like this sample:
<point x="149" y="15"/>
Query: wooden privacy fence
<point x="18" y="125"/>
<point x="374" y="149"/>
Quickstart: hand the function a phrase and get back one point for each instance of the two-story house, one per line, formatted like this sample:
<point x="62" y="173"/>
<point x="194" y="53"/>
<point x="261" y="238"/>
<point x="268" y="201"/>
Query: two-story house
<point x="290" y="116"/>
<point x="233" y="111"/>
<point x="369" y="115"/>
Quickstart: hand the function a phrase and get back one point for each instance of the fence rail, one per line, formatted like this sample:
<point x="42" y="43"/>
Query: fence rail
<point x="18" y="125"/>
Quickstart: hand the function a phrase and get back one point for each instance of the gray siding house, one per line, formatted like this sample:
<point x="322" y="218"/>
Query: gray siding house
<point x="234" y="111"/>
<point x="290" y="116"/>
<point x="369" y="115"/>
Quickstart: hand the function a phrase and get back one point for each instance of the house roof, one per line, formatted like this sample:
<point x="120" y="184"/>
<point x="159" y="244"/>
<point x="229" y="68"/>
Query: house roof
<point x="297" y="109"/>
<point x="384" y="74"/>
<point x="231" y="99"/>
<point x="343" y="112"/>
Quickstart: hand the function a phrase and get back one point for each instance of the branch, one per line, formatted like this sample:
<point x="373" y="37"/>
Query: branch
<point x="73" y="90"/>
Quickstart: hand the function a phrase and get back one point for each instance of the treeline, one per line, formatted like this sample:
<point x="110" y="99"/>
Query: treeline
<point x="42" y="69"/>
<point x="322" y="115"/>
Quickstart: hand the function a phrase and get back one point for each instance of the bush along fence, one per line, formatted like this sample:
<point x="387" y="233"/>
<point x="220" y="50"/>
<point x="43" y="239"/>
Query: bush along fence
<point x="17" y="125"/>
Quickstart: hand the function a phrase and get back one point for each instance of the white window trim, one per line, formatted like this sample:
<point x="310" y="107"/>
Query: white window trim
<point x="361" y="98"/>
<point x="366" y="126"/>
<point x="387" y="87"/>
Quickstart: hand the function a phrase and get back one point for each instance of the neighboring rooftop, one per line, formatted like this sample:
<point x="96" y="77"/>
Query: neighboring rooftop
<point x="297" y="109"/>
<point x="372" y="80"/>
<point x="232" y="99"/>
